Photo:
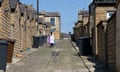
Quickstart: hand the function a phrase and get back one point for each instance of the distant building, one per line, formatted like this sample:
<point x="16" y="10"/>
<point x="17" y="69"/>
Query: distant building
<point x="77" y="30"/>
<point x="83" y="15"/>
<point x="81" y="26"/>
<point x="51" y="19"/>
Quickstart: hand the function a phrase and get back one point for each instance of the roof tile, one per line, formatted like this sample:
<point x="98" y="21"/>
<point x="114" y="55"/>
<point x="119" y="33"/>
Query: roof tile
<point x="13" y="3"/>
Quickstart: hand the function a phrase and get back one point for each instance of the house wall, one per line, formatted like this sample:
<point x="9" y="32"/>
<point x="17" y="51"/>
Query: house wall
<point x="23" y="32"/>
<point x="28" y="34"/>
<point x="100" y="14"/>
<point x="118" y="38"/>
<point x="102" y="49"/>
<point x="4" y="24"/>
<point x="57" y="26"/>
<point x="111" y="43"/>
<point x="15" y="29"/>
<point x="85" y="20"/>
<point x="91" y="25"/>
<point x="76" y="33"/>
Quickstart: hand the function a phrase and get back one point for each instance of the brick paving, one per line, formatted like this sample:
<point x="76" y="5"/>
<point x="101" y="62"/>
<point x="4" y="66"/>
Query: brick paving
<point x="62" y="58"/>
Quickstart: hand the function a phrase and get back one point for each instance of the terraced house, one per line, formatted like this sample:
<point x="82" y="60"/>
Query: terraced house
<point x="99" y="10"/>
<point x="83" y="16"/>
<point x="103" y="31"/>
<point x="52" y="20"/>
<point x="81" y="26"/>
<point x="23" y="25"/>
<point x="108" y="37"/>
<point x="17" y="25"/>
<point x="30" y="25"/>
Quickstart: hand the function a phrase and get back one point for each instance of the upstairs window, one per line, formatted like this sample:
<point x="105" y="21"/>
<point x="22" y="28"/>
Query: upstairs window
<point x="52" y="21"/>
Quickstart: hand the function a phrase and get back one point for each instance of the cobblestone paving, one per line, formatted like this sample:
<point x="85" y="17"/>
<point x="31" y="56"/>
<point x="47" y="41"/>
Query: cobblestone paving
<point x="61" y="58"/>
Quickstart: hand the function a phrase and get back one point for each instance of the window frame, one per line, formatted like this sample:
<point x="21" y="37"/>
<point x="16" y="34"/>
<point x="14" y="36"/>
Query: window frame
<point x="52" y="21"/>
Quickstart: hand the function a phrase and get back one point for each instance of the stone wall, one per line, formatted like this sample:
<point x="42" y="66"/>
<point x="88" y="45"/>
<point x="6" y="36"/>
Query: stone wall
<point x="118" y="38"/>
<point x="102" y="41"/>
<point x="13" y="26"/>
<point x="4" y="24"/>
<point x="111" y="43"/>
<point x="100" y="14"/>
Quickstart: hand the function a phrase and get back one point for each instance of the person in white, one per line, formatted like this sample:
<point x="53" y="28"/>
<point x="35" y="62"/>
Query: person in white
<point x="52" y="39"/>
<point x="48" y="40"/>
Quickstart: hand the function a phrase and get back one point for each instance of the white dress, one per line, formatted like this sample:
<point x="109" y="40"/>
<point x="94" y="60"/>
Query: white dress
<point x="52" y="40"/>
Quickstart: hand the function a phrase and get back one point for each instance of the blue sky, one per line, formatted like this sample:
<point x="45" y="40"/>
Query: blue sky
<point x="67" y="8"/>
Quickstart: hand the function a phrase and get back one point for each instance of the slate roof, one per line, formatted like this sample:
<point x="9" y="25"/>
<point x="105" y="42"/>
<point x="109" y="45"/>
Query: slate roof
<point x="105" y="1"/>
<point x="50" y="14"/>
<point x="13" y="3"/>
<point x="22" y="8"/>
<point x="84" y="13"/>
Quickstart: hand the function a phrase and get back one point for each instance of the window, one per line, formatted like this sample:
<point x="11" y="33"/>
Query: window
<point x="52" y="21"/>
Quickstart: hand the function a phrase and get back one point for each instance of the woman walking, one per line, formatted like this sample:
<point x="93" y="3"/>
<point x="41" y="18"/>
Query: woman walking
<point x="48" y="40"/>
<point x="52" y="40"/>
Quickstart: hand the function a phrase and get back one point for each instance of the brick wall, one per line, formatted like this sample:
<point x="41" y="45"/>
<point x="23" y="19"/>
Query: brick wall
<point x="100" y="14"/>
<point x="28" y="34"/>
<point x="85" y="20"/>
<point x="48" y="30"/>
<point x="102" y="41"/>
<point x="111" y="42"/>
<point x="118" y="38"/>
<point x="32" y="30"/>
<point x="106" y="40"/>
<point x="22" y="33"/>
<point x="57" y="35"/>
<point x="14" y="26"/>
<point x="76" y="33"/>
<point x="4" y="24"/>
<point x="16" y="34"/>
